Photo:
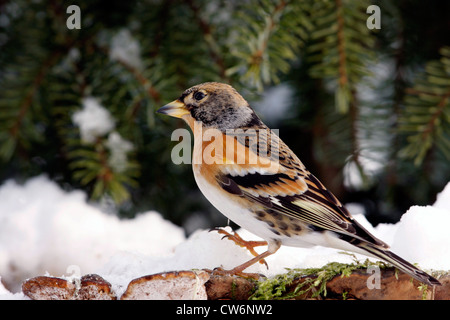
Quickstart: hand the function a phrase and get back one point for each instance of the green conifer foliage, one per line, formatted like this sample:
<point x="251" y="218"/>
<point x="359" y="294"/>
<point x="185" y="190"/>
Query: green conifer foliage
<point x="132" y="57"/>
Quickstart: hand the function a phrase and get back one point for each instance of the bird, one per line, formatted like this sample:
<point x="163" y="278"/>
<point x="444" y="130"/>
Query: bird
<point x="253" y="178"/>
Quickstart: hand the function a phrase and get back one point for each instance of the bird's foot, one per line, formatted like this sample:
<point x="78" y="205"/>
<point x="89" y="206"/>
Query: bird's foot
<point x="249" y="245"/>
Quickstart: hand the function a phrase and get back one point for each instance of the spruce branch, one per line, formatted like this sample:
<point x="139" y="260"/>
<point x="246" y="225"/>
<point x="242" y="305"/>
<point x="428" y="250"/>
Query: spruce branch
<point x="212" y="44"/>
<point x="425" y="120"/>
<point x="343" y="91"/>
<point x="137" y="74"/>
<point x="34" y="73"/>
<point x="340" y="48"/>
<point x="47" y="70"/>
<point x="258" y="59"/>
<point x="270" y="40"/>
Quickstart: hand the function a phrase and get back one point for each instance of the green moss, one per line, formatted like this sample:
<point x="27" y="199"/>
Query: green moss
<point x="314" y="283"/>
<point x="424" y="289"/>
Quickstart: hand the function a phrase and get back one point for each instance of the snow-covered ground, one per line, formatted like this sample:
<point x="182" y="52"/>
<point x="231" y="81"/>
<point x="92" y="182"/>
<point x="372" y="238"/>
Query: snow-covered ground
<point x="45" y="230"/>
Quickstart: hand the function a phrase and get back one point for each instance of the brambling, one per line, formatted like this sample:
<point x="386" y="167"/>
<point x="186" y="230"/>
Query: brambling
<point x="264" y="187"/>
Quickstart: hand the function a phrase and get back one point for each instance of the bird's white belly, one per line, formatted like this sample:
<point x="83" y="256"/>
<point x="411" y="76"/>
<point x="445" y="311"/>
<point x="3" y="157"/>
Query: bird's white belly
<point x="247" y="220"/>
<point x="233" y="211"/>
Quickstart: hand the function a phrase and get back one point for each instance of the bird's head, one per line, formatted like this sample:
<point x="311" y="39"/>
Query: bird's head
<point x="216" y="105"/>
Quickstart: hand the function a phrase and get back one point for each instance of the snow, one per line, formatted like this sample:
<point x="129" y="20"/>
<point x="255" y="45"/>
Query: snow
<point x="93" y="120"/>
<point x="442" y="199"/>
<point x="5" y="294"/>
<point x="45" y="230"/>
<point x="126" y="49"/>
<point x="119" y="148"/>
<point x="423" y="236"/>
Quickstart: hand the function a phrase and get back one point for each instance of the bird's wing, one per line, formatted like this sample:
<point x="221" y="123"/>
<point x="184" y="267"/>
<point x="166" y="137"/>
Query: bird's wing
<point x="294" y="192"/>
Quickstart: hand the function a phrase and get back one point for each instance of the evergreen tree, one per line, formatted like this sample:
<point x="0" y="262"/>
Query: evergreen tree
<point x="369" y="111"/>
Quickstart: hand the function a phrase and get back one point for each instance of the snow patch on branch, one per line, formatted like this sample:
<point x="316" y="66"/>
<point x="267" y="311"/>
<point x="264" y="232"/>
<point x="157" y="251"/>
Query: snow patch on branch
<point x="93" y="119"/>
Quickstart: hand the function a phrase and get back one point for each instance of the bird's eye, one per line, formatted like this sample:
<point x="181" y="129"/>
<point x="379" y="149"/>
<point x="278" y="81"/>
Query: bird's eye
<point x="199" y="95"/>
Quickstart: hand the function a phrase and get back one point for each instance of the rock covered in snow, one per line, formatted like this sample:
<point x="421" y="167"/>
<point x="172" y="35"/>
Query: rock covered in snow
<point x="205" y="284"/>
<point x="45" y="229"/>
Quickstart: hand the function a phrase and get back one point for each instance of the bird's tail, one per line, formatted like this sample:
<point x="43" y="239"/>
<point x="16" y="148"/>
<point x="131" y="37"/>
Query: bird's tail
<point x="399" y="263"/>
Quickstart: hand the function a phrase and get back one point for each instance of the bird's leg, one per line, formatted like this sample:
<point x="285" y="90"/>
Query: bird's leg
<point x="249" y="245"/>
<point x="272" y="248"/>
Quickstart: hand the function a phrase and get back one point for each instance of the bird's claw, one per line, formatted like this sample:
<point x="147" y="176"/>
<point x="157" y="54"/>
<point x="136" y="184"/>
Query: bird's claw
<point x="249" y="245"/>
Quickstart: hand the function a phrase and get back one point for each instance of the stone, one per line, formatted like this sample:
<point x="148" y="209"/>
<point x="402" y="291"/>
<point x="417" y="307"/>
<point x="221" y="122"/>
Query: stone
<point x="89" y="287"/>
<point x="176" y="285"/>
<point x="229" y="287"/>
<point x="206" y="284"/>
<point x="442" y="292"/>
<point x="392" y="287"/>
<point x="48" y="288"/>
<point x="94" y="287"/>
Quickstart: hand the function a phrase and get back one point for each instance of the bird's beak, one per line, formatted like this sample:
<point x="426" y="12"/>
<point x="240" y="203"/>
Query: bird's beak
<point x="175" y="109"/>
